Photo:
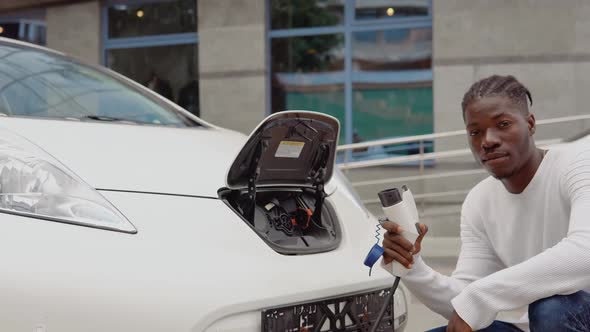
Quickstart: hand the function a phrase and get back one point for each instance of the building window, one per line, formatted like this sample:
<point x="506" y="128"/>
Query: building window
<point x="367" y="63"/>
<point x="155" y="44"/>
<point x="28" y="26"/>
<point x="391" y="9"/>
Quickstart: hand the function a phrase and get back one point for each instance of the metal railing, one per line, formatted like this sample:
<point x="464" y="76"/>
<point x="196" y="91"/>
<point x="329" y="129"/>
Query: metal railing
<point x="422" y="157"/>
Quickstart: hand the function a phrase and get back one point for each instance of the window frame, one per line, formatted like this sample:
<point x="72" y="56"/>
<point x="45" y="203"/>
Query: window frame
<point x="33" y="18"/>
<point x="348" y="28"/>
<point x="141" y="41"/>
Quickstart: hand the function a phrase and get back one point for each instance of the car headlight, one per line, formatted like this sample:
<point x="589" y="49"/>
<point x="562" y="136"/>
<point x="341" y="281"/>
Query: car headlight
<point x="34" y="184"/>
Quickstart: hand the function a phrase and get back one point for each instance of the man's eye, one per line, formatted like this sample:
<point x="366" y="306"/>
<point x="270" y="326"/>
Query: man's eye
<point x="473" y="133"/>
<point x="504" y="124"/>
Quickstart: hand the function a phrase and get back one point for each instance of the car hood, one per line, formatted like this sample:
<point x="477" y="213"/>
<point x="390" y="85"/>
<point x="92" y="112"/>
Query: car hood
<point x="110" y="156"/>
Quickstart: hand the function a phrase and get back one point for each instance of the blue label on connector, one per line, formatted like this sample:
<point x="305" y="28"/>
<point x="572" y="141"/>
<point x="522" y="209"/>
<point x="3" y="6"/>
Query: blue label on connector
<point x="373" y="256"/>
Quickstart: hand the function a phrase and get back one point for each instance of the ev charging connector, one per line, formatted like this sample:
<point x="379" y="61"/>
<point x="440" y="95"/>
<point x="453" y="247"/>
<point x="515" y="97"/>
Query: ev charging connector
<point x="401" y="209"/>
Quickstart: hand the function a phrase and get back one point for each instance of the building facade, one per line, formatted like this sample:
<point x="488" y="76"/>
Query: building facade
<point x="384" y="68"/>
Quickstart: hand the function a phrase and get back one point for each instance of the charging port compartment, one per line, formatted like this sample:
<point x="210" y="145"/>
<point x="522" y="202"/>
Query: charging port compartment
<point x="276" y="182"/>
<point x="285" y="219"/>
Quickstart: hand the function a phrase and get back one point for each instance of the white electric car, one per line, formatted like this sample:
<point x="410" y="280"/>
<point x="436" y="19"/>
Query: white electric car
<point x="120" y="211"/>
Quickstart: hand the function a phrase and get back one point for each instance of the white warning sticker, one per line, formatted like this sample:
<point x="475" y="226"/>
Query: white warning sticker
<point x="289" y="149"/>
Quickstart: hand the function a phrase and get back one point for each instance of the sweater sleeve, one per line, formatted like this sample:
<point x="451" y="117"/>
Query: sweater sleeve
<point x="476" y="260"/>
<point x="561" y="269"/>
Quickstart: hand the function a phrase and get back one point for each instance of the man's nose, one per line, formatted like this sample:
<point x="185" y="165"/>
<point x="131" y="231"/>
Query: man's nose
<point x="490" y="140"/>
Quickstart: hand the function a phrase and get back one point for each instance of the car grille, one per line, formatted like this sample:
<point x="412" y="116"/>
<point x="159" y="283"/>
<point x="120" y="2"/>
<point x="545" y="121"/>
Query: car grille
<point x="357" y="312"/>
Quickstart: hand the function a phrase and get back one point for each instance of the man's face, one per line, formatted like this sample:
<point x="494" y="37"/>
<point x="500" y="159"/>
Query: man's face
<point x="500" y="134"/>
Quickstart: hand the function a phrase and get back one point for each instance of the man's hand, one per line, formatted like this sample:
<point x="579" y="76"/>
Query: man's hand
<point x="457" y="324"/>
<point x="397" y="247"/>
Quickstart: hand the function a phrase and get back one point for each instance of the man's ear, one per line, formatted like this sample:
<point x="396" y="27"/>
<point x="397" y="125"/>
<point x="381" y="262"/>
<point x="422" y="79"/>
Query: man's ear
<point x="531" y="123"/>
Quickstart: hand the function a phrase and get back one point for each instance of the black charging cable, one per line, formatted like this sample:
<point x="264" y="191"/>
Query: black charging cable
<point x="385" y="305"/>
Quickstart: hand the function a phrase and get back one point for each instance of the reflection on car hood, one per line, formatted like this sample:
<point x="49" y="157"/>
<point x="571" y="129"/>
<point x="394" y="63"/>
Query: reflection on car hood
<point x="184" y="161"/>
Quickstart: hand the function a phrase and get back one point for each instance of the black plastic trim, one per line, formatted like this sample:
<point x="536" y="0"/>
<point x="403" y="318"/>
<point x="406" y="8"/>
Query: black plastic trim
<point x="155" y="193"/>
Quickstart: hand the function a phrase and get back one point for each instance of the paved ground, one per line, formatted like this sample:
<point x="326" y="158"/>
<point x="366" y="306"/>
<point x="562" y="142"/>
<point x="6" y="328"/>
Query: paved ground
<point x="440" y="254"/>
<point x="422" y="319"/>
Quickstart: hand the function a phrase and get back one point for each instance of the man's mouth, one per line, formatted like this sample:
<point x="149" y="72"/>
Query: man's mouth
<point x="494" y="156"/>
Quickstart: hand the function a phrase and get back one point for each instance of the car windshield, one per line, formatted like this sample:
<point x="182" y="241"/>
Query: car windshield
<point x="35" y="83"/>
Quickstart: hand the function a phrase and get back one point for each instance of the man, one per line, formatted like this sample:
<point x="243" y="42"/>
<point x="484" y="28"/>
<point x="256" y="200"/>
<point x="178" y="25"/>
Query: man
<point x="525" y="230"/>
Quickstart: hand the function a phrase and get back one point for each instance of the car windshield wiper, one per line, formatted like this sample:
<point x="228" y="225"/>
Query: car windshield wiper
<point x="106" y="118"/>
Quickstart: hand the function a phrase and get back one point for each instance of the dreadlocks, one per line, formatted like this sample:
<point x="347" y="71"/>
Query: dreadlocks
<point x="496" y="85"/>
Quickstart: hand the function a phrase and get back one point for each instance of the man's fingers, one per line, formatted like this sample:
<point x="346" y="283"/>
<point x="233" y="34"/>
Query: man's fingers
<point x="396" y="256"/>
<point x="393" y="235"/>
<point x="423" y="229"/>
<point x="396" y="247"/>
<point x="402" y="241"/>
<point x="386" y="258"/>
<point x="392" y="227"/>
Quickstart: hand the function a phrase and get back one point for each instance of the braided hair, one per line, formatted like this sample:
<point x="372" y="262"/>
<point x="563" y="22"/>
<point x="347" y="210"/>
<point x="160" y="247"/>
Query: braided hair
<point x="497" y="85"/>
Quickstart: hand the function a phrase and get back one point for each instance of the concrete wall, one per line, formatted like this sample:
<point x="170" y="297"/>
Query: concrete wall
<point x="232" y="72"/>
<point x="11" y="5"/>
<point x="543" y="43"/>
<point x="75" y="29"/>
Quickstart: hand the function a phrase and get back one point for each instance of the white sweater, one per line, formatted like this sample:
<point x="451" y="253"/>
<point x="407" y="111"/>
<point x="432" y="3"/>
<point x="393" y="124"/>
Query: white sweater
<point x="516" y="248"/>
